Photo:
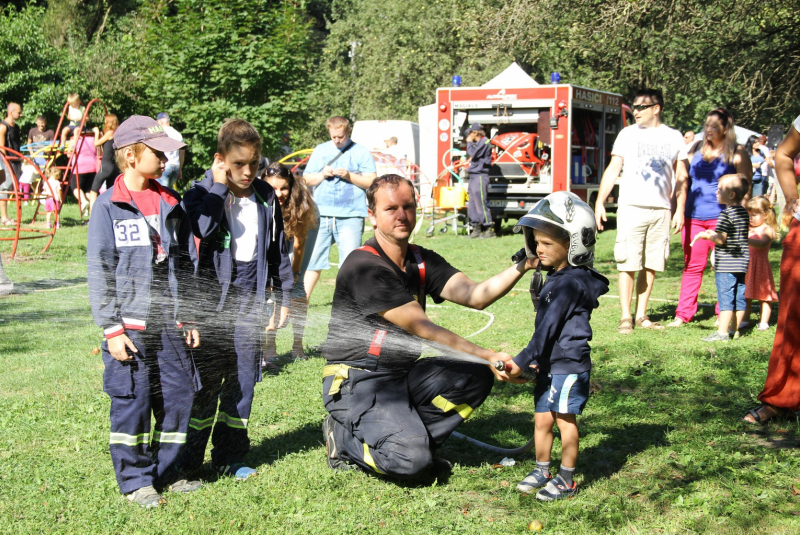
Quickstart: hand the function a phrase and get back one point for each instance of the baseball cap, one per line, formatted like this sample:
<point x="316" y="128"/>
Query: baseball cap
<point x="143" y="129"/>
<point x="476" y="126"/>
<point x="162" y="115"/>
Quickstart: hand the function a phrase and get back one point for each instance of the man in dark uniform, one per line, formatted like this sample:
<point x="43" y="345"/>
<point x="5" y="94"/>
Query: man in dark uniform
<point x="479" y="149"/>
<point x="389" y="411"/>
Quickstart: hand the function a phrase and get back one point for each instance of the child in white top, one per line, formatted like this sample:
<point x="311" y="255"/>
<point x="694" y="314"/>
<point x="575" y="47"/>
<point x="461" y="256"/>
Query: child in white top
<point x="74" y="115"/>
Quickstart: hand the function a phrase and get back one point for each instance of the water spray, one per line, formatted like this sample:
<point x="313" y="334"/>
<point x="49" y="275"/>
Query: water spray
<point x="529" y="374"/>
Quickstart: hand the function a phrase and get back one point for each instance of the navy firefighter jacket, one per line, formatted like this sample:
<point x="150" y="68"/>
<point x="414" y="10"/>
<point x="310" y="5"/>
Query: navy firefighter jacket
<point x="126" y="286"/>
<point x="481" y="153"/>
<point x="205" y="204"/>
<point x="560" y="343"/>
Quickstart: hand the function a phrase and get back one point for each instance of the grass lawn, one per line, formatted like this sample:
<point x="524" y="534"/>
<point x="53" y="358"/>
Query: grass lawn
<point x="663" y="449"/>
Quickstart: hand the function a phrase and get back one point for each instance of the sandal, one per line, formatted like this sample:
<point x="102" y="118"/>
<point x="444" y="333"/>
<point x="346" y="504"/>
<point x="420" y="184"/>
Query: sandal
<point x="677" y="322"/>
<point x="9" y="222"/>
<point x="759" y="419"/>
<point x="651" y="324"/>
<point x="625" y="326"/>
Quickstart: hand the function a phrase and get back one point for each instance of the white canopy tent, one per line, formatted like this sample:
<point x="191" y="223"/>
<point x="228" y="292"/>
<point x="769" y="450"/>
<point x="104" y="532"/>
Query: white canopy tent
<point x="513" y="76"/>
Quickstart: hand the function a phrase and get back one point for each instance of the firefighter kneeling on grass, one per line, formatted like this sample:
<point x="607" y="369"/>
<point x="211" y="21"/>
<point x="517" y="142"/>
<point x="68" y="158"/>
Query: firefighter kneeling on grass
<point x="389" y="411"/>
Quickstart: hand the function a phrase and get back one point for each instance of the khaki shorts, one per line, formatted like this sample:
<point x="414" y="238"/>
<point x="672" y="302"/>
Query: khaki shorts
<point x="642" y="238"/>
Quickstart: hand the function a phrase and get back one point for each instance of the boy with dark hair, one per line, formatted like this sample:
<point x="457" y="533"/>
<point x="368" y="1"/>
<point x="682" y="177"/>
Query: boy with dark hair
<point x="561" y="231"/>
<point x="731" y="254"/>
<point x="139" y="269"/>
<point x="242" y="252"/>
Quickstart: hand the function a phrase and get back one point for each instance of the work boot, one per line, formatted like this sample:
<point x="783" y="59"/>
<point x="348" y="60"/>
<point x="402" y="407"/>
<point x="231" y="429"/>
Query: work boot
<point x="476" y="231"/>
<point x="334" y="462"/>
<point x="147" y="497"/>
<point x="488" y="233"/>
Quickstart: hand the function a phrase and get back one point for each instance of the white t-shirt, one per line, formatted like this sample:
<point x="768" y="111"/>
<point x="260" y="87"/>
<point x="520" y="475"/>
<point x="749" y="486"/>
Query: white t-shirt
<point x="242" y="214"/>
<point x="648" y="156"/>
<point x="74" y="115"/>
<point x="796" y="123"/>
<point x="173" y="157"/>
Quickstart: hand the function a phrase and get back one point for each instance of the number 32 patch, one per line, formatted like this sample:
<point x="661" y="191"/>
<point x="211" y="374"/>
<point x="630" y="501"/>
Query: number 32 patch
<point x="131" y="233"/>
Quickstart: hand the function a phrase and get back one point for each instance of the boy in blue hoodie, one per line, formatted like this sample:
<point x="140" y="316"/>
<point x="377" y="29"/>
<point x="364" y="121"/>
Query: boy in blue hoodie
<point x="242" y="252"/>
<point x="139" y="260"/>
<point x="561" y="231"/>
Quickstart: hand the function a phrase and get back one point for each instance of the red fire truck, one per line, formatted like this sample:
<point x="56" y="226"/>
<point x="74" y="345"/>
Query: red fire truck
<point x="545" y="138"/>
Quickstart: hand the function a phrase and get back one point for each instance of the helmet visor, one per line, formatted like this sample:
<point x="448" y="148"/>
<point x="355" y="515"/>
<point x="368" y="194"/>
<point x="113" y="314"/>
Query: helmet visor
<point x="550" y="229"/>
<point x="544" y="211"/>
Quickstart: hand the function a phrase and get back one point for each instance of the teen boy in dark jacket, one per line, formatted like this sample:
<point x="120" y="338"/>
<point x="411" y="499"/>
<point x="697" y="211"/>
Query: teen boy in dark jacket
<point x="242" y="251"/>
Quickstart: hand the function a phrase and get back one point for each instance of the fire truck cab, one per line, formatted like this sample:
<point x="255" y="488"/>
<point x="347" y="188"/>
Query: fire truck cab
<point x="545" y="138"/>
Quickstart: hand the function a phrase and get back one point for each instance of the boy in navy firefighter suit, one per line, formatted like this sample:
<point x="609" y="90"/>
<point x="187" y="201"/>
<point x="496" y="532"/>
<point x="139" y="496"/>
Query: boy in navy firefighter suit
<point x="561" y="231"/>
<point x="243" y="251"/>
<point x="139" y="269"/>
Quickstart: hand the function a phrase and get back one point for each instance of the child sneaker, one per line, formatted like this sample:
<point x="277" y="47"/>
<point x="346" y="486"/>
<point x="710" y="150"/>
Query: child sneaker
<point x="533" y="480"/>
<point x="763" y="327"/>
<point x="184" y="485"/>
<point x="147" y="497"/>
<point x="237" y="470"/>
<point x="557" y="489"/>
<point x="717" y="337"/>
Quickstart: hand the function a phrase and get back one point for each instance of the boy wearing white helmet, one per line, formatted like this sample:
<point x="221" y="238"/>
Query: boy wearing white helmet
<point x="560" y="230"/>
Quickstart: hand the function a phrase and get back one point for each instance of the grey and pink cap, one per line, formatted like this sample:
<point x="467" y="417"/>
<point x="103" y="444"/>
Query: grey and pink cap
<point x="144" y="129"/>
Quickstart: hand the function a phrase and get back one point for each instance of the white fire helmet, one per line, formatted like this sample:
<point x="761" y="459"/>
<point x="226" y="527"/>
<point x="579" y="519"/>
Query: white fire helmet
<point x="565" y="216"/>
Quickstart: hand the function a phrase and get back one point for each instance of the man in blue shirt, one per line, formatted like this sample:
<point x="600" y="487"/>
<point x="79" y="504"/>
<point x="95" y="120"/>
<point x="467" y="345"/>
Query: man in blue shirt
<point x="479" y="149"/>
<point x="340" y="171"/>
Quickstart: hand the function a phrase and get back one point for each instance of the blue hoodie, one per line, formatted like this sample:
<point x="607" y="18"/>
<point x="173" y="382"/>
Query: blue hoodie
<point x="205" y="204"/>
<point x="560" y="343"/>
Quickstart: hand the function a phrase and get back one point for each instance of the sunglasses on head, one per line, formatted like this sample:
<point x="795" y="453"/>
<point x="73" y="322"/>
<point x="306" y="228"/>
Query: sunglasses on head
<point x="642" y="107"/>
<point x="271" y="171"/>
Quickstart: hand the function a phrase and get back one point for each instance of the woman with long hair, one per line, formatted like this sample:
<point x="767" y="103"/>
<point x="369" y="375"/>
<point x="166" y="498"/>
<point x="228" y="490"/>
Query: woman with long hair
<point x="108" y="165"/>
<point x="781" y="394"/>
<point x="697" y="209"/>
<point x="300" y="222"/>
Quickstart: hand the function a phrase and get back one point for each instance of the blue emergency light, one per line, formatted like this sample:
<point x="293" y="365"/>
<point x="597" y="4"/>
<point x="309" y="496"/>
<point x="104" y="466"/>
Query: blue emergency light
<point x="555" y="77"/>
<point x="456" y="80"/>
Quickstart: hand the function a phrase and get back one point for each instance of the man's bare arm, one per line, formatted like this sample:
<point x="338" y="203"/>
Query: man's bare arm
<point x="464" y="291"/>
<point x="363" y="180"/>
<point x="610" y="176"/>
<point x="412" y="319"/>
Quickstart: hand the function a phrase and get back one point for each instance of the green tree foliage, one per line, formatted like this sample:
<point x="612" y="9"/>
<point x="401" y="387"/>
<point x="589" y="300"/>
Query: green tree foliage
<point x="31" y="72"/>
<point x="286" y="65"/>
<point x="383" y="60"/>
<point x="741" y="54"/>
<point x="215" y="59"/>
